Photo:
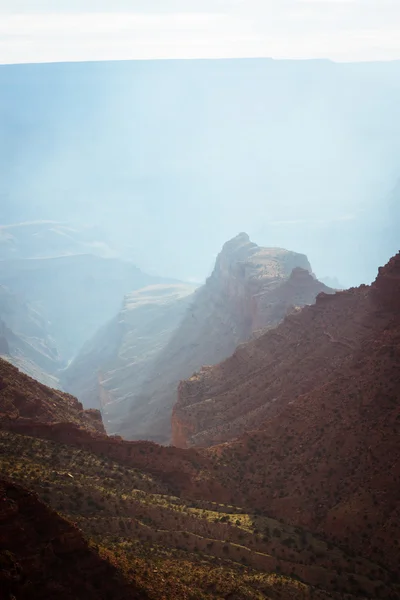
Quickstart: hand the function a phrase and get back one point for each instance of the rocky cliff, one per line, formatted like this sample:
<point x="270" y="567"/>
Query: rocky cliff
<point x="113" y="365"/>
<point x="306" y="504"/>
<point x="133" y="367"/>
<point x="308" y="349"/>
<point x="23" y="398"/>
<point x="315" y="404"/>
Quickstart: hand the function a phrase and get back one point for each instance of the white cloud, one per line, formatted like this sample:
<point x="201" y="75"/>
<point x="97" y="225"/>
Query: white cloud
<point x="338" y="29"/>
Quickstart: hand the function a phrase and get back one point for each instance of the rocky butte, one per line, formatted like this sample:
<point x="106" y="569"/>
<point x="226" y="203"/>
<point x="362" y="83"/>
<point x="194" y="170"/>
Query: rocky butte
<point x="310" y="348"/>
<point x="309" y="415"/>
<point x="250" y="289"/>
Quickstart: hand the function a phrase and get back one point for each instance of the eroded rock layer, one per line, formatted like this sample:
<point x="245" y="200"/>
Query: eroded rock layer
<point x="164" y="333"/>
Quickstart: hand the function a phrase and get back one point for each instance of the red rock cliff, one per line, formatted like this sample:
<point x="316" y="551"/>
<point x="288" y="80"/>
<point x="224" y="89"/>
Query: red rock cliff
<point x="22" y="397"/>
<point x="309" y="413"/>
<point x="262" y="377"/>
<point x="251" y="288"/>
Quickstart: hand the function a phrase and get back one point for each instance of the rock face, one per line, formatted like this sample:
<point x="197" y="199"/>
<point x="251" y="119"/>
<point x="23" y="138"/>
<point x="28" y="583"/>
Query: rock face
<point x="261" y="378"/>
<point x="155" y="342"/>
<point x="23" y="398"/>
<point x="113" y="366"/>
<point x="316" y="405"/>
<point x="43" y="556"/>
<point x="318" y="472"/>
<point x="264" y="376"/>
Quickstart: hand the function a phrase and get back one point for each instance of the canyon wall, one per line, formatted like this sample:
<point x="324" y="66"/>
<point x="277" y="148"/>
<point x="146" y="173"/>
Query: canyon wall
<point x="132" y="369"/>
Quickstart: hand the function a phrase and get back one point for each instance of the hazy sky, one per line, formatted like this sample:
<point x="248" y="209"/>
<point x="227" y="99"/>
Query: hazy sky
<point x="67" y="30"/>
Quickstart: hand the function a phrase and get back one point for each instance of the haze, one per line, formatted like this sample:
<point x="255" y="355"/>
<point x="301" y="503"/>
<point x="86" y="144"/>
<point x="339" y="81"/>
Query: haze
<point x="172" y="158"/>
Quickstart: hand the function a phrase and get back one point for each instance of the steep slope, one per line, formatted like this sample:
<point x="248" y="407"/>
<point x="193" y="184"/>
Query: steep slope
<point x="149" y="511"/>
<point x="176" y="548"/>
<point x="251" y="288"/>
<point x="319" y="397"/>
<point x="178" y="524"/>
<point x="23" y="399"/>
<point x="43" y="556"/>
<point x="76" y="294"/>
<point x="113" y="365"/>
<point x="309" y="349"/>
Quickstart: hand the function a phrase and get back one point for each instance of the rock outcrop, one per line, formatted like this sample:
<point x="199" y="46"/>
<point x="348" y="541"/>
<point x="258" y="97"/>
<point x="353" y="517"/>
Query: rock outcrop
<point x="133" y="367"/>
<point x="316" y="476"/>
<point x="23" y="398"/>
<point x="314" y="405"/>
<point x="308" y="349"/>
<point x="113" y="365"/>
<point x="43" y="556"/>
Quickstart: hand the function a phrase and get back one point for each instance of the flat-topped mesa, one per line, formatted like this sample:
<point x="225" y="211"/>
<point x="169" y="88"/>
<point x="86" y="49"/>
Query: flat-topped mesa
<point x="243" y="259"/>
<point x="244" y="277"/>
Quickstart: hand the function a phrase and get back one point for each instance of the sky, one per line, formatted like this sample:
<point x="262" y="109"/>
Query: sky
<point x="85" y="30"/>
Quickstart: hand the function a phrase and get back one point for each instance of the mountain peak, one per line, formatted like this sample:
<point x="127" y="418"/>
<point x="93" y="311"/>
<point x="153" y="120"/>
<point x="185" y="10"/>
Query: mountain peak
<point x="240" y="242"/>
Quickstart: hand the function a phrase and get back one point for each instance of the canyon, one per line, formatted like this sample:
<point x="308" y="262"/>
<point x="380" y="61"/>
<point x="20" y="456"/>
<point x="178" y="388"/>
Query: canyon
<point x="222" y="423"/>
<point x="131" y="369"/>
<point x="301" y="502"/>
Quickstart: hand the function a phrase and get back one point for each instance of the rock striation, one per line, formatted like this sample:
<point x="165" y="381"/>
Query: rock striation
<point x="309" y="417"/>
<point x="23" y="398"/>
<point x="113" y="365"/>
<point x="310" y="490"/>
<point x="308" y="349"/>
<point x="133" y="367"/>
